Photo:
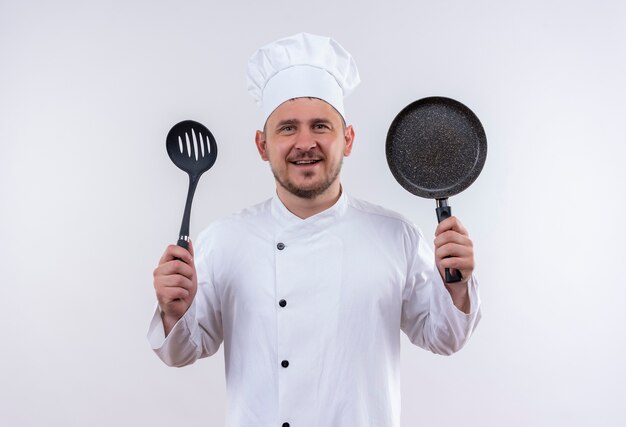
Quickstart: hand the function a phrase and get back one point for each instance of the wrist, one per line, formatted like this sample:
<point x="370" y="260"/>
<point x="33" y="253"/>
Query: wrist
<point x="459" y="292"/>
<point x="168" y="322"/>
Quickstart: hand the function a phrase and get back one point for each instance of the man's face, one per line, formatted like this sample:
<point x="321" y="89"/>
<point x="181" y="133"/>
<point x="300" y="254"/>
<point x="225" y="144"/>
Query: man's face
<point x="305" y="141"/>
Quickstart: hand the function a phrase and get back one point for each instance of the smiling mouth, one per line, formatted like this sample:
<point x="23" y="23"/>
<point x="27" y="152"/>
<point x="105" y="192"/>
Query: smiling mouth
<point x="305" y="162"/>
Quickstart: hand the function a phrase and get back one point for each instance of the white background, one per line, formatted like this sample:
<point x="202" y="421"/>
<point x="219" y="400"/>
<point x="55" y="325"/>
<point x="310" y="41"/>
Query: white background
<point x="89" y="198"/>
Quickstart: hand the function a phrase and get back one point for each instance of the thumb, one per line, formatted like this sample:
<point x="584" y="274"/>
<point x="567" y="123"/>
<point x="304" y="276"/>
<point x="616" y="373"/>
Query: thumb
<point x="191" y="247"/>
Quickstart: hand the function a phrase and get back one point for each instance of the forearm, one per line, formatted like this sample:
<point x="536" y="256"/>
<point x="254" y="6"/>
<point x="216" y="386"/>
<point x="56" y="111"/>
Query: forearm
<point x="440" y="325"/>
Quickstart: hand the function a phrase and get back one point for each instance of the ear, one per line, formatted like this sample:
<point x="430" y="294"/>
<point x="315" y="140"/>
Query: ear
<point x="349" y="137"/>
<point x="261" y="144"/>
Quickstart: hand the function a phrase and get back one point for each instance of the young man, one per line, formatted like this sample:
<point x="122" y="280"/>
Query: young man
<point x="309" y="290"/>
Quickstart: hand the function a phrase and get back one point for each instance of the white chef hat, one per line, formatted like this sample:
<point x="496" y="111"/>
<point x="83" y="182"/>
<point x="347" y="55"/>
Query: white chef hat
<point x="302" y="65"/>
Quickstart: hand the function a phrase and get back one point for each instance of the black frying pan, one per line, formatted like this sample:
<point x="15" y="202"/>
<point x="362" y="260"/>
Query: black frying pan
<point x="436" y="147"/>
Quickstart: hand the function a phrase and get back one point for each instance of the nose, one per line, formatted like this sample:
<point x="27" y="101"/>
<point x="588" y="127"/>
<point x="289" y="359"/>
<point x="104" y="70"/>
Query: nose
<point x="305" y="140"/>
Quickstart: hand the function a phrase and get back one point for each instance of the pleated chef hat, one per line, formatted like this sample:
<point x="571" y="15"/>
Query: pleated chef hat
<point x="302" y="65"/>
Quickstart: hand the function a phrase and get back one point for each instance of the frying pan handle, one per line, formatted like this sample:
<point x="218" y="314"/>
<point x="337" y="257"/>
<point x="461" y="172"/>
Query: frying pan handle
<point x="443" y="212"/>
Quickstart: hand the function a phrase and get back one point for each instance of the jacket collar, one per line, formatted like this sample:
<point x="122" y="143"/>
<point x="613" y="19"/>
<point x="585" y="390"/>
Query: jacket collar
<point x="287" y="220"/>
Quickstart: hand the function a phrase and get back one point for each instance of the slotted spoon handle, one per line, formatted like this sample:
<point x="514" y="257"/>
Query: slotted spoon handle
<point x="183" y="239"/>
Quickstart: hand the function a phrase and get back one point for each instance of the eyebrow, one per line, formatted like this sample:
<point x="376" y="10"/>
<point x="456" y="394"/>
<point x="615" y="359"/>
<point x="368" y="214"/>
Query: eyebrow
<point x="322" y="120"/>
<point x="296" y="122"/>
<point x="286" y="122"/>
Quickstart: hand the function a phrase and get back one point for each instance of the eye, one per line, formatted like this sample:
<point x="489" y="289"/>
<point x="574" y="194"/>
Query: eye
<point x="286" y="128"/>
<point x="320" y="126"/>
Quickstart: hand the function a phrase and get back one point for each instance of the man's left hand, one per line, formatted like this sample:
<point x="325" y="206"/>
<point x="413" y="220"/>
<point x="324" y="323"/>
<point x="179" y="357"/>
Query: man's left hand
<point x="454" y="249"/>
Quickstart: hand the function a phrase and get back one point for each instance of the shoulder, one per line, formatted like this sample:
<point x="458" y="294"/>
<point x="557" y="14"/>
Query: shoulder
<point x="393" y="234"/>
<point x="378" y="213"/>
<point x="380" y="220"/>
<point x="235" y="225"/>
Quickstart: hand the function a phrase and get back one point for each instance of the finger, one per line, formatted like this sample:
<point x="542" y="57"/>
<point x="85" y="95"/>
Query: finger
<point x="174" y="267"/>
<point x="176" y="252"/>
<point x="453" y="250"/>
<point x="168" y="295"/>
<point x="191" y="248"/>
<point x="457" y="263"/>
<point x="452" y="236"/>
<point x="451" y="223"/>
<point x="173" y="281"/>
<point x="462" y="261"/>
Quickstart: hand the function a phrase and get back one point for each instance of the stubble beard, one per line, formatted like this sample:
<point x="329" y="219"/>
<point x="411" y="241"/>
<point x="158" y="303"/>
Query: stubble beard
<point x="308" y="192"/>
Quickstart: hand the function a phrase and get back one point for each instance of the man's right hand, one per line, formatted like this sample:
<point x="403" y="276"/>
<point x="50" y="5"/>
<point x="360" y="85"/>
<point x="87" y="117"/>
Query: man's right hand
<point x="175" y="283"/>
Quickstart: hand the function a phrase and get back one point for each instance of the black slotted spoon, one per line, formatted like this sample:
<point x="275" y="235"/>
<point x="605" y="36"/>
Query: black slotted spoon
<point x="192" y="148"/>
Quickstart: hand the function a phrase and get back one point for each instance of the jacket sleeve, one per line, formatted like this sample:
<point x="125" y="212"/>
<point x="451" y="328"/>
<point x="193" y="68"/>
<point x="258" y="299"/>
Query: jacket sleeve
<point x="199" y="332"/>
<point x="429" y="317"/>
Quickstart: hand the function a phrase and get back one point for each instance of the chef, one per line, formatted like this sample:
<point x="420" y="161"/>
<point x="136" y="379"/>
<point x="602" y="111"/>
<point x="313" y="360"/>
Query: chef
<point x="310" y="290"/>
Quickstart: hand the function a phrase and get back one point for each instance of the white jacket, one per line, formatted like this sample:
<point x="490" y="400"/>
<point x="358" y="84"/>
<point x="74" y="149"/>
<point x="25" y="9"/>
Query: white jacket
<point x="310" y="313"/>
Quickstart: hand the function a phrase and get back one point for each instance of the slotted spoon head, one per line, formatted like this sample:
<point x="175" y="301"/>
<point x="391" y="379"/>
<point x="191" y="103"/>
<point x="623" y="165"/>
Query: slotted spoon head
<point x="192" y="147"/>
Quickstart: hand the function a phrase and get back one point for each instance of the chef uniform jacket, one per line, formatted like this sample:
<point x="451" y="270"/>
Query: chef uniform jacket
<point x="310" y="312"/>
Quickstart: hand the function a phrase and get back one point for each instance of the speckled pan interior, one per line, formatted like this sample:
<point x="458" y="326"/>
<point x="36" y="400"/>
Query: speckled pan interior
<point x="436" y="147"/>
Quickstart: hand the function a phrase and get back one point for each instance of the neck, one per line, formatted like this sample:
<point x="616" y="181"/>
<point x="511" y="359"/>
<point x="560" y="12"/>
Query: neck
<point x="304" y="208"/>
